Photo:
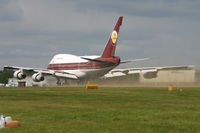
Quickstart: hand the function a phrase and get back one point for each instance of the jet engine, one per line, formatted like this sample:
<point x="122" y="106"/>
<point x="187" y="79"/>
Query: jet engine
<point x="19" y="74"/>
<point x="37" y="77"/>
<point x="150" y="74"/>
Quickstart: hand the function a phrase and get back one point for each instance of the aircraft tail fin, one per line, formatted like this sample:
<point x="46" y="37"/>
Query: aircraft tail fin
<point x="109" y="50"/>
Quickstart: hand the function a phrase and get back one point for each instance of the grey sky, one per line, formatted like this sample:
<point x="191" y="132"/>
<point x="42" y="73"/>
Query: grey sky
<point x="32" y="31"/>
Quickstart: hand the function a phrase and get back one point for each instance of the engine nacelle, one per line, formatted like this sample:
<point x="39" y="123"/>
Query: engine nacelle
<point x="149" y="74"/>
<point x="37" y="77"/>
<point x="19" y="74"/>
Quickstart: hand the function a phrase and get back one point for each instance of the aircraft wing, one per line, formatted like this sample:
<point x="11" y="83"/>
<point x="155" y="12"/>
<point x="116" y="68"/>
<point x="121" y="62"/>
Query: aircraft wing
<point x="54" y="73"/>
<point x="147" y="72"/>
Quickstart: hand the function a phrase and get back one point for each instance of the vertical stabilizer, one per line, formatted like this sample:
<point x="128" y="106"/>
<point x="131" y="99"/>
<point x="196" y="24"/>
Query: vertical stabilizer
<point x="109" y="50"/>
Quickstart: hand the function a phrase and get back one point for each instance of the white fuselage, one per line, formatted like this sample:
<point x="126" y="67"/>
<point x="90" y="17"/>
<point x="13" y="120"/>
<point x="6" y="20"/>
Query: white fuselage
<point x="76" y="65"/>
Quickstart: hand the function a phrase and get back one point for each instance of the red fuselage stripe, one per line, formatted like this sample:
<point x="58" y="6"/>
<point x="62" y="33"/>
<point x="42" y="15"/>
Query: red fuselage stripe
<point x="73" y="66"/>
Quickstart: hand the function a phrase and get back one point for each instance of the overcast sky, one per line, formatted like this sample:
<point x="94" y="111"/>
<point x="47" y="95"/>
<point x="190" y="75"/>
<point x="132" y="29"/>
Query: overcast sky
<point x="33" y="31"/>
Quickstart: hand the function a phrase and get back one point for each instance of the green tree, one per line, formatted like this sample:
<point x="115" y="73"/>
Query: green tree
<point x="5" y="75"/>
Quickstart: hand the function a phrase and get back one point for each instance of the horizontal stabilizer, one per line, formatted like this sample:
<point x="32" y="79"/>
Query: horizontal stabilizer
<point x="99" y="61"/>
<point x="136" y="60"/>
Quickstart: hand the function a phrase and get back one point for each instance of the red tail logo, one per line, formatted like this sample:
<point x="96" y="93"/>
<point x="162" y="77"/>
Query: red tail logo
<point x="109" y="50"/>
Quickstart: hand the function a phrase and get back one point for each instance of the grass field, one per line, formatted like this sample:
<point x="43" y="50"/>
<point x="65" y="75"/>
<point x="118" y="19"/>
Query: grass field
<point x="105" y="110"/>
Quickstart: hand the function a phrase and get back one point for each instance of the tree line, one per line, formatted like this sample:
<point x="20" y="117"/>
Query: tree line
<point x="5" y="75"/>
